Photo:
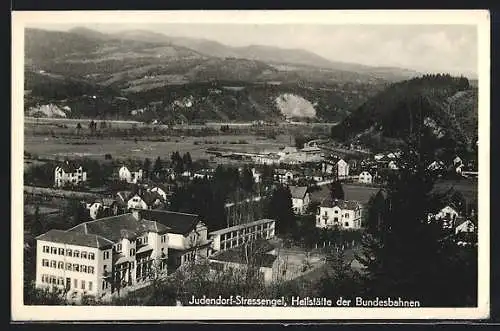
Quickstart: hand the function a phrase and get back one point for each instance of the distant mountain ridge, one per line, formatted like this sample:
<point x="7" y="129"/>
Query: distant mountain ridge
<point x="253" y="52"/>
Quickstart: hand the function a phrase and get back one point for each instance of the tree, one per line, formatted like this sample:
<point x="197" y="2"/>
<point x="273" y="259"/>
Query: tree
<point x="280" y="209"/>
<point x="146" y="168"/>
<point x="376" y="211"/>
<point x="339" y="279"/>
<point x="187" y="161"/>
<point x="408" y="257"/>
<point x="247" y="181"/>
<point x="37" y="227"/>
<point x="336" y="190"/>
<point x="177" y="162"/>
<point x="157" y="167"/>
<point x="300" y="141"/>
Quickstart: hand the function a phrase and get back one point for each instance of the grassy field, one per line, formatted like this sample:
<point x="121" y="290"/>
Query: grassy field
<point x="52" y="147"/>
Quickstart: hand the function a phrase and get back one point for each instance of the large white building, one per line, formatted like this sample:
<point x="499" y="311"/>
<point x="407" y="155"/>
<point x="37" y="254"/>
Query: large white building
<point x="235" y="236"/>
<point x="339" y="214"/>
<point x="69" y="173"/>
<point x="98" y="257"/>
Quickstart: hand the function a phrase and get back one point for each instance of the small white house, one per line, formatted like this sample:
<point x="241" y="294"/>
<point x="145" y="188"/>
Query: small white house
<point x="365" y="178"/>
<point x="339" y="214"/>
<point x="467" y="226"/>
<point x="130" y="174"/>
<point x="393" y="165"/>
<point x="284" y="176"/>
<point x="447" y="212"/>
<point x="342" y="169"/>
<point x="69" y="173"/>
<point x="257" y="176"/>
<point x="300" y="199"/>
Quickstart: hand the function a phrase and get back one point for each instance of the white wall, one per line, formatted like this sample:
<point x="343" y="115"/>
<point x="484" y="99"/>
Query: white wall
<point x="79" y="276"/>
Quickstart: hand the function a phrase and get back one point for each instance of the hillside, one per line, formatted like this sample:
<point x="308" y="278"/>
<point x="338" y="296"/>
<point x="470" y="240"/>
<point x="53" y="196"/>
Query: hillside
<point x="446" y="106"/>
<point x="98" y="74"/>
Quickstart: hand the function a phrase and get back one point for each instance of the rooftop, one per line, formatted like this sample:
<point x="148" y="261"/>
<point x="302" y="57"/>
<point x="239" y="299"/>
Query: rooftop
<point x="179" y="223"/>
<point x="116" y="227"/>
<point x="298" y="192"/>
<point x="75" y="238"/>
<point x="241" y="226"/>
<point x="342" y="204"/>
<point x="68" y="166"/>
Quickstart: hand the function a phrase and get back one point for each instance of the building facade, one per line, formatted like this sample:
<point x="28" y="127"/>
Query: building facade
<point x="130" y="175"/>
<point x="188" y="236"/>
<point x="300" y="199"/>
<point x="102" y="256"/>
<point x="339" y="214"/>
<point x="69" y="173"/>
<point x="235" y="236"/>
<point x="365" y="178"/>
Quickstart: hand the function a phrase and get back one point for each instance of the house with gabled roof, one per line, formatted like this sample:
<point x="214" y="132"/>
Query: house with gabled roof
<point x="146" y="200"/>
<point x="69" y="173"/>
<point x="130" y="174"/>
<point x="102" y="256"/>
<point x="342" y="214"/>
<point x="188" y="235"/>
<point x="300" y="198"/>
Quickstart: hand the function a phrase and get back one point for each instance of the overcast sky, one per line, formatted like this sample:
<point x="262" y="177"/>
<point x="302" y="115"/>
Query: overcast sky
<point x="450" y="48"/>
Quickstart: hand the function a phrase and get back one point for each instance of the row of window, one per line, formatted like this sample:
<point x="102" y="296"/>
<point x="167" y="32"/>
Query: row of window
<point x="68" y="266"/>
<point x="50" y="279"/>
<point x="69" y="252"/>
<point x="246" y="231"/>
<point x="139" y="241"/>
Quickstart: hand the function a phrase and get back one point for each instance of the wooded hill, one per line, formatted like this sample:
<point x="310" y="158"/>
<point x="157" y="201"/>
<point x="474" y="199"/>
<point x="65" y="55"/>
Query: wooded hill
<point x="447" y="106"/>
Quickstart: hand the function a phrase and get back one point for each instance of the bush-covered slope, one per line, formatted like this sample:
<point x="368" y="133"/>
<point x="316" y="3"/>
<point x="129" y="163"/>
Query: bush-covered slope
<point x="446" y="105"/>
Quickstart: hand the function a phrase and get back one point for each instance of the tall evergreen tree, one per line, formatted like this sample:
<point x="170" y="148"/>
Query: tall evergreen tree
<point x="336" y="190"/>
<point x="187" y="161"/>
<point x="157" y="167"/>
<point x="37" y="227"/>
<point x="146" y="167"/>
<point x="280" y="209"/>
<point x="247" y="182"/>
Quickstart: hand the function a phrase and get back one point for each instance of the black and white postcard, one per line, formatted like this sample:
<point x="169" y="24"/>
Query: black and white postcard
<point x="250" y="165"/>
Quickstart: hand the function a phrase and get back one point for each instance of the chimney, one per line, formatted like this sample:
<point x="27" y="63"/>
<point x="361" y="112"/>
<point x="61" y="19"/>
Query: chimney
<point x="137" y="214"/>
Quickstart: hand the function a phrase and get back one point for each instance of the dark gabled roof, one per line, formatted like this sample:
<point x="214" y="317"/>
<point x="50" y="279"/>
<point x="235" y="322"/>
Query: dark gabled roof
<point x="298" y="192"/>
<point x="342" y="204"/>
<point x="75" y="238"/>
<point x="179" y="223"/>
<point x="108" y="201"/>
<point x="149" y="197"/>
<point x="131" y="167"/>
<point x="238" y="256"/>
<point x="116" y="227"/>
<point x="69" y="166"/>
